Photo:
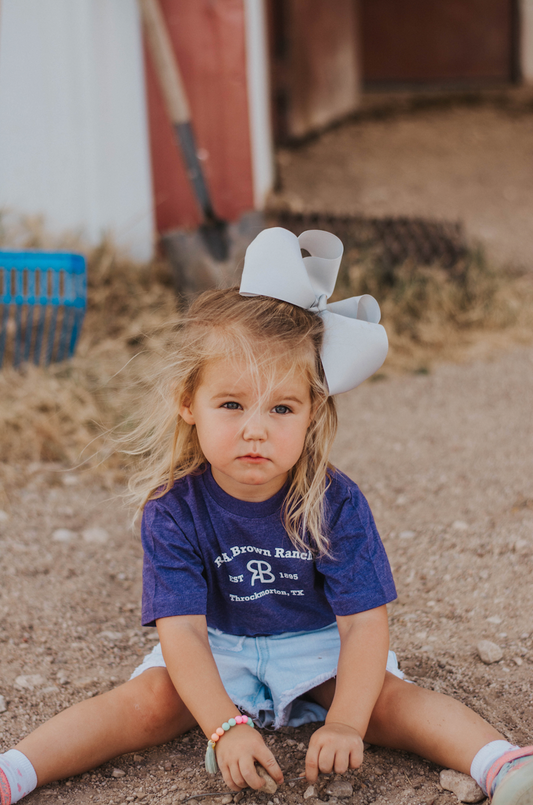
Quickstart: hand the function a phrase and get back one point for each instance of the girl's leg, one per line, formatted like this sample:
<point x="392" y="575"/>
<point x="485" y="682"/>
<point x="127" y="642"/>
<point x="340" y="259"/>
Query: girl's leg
<point x="146" y="711"/>
<point x="430" y="724"/>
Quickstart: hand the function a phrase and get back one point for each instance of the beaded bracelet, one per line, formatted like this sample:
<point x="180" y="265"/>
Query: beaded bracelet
<point x="211" y="765"/>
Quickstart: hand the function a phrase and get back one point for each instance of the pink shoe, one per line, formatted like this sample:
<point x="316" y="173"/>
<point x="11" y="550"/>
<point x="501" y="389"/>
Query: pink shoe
<point x="5" y="790"/>
<point x="510" y="779"/>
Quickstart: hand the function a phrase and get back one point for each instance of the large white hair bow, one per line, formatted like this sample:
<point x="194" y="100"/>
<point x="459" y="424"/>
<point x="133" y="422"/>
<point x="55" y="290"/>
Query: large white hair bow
<point x="355" y="344"/>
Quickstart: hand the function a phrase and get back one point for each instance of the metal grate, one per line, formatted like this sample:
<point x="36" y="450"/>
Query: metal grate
<point x="392" y="241"/>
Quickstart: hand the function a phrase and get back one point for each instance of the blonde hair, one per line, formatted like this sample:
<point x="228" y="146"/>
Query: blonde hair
<point x="269" y="336"/>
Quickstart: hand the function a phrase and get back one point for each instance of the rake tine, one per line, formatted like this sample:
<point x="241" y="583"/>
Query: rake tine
<point x="66" y="325"/>
<point x="18" y="336"/>
<point x="39" y="336"/>
<point x="29" y="316"/>
<point x="76" y="327"/>
<point x="3" y="332"/>
<point x="51" y="336"/>
<point x="55" y="301"/>
<point x="19" y="297"/>
<point x="79" y="292"/>
<point x="28" y="334"/>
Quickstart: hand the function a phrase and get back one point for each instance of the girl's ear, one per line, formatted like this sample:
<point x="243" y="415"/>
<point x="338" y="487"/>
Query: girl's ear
<point x="185" y="412"/>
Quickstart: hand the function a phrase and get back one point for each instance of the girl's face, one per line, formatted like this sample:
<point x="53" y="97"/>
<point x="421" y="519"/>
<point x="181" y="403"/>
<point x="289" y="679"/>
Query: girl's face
<point x="251" y="436"/>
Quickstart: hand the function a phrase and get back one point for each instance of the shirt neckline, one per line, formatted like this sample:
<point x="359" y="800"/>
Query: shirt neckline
<point x="244" y="508"/>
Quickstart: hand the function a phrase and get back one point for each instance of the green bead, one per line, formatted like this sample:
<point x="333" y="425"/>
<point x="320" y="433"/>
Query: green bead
<point x="231" y="722"/>
<point x="225" y="726"/>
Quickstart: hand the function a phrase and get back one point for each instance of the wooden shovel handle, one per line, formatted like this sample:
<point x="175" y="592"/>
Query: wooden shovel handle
<point x="164" y="60"/>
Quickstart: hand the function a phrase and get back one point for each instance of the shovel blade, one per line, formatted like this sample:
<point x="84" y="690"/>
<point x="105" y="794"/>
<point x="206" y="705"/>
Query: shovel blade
<point x="194" y="267"/>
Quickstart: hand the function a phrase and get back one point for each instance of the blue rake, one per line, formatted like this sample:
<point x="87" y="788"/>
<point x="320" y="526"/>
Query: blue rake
<point x="43" y="298"/>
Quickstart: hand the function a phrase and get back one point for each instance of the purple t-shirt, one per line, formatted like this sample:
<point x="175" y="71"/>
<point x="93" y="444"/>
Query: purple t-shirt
<point x="207" y="553"/>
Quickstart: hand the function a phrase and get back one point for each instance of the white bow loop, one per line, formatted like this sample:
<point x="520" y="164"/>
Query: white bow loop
<point x="355" y="344"/>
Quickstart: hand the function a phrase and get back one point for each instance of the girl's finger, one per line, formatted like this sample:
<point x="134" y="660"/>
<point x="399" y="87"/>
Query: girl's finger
<point x="356" y="758"/>
<point x="311" y="763"/>
<point x="236" y="778"/>
<point x="342" y="760"/>
<point x="326" y="759"/>
<point x="232" y="775"/>
<point x="267" y="760"/>
<point x="249" y="774"/>
<point x="229" y="782"/>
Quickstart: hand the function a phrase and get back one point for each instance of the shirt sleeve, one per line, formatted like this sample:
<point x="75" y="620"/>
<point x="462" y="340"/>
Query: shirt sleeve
<point x="357" y="573"/>
<point x="173" y="577"/>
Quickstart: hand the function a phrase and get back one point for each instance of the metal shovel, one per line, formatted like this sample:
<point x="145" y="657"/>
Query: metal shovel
<point x="208" y="257"/>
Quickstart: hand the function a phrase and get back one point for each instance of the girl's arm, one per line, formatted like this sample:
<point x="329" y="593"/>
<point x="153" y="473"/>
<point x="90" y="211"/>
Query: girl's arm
<point x="195" y="676"/>
<point x="338" y="745"/>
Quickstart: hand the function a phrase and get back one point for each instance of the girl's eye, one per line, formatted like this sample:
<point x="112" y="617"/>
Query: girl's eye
<point x="282" y="409"/>
<point x="231" y="406"/>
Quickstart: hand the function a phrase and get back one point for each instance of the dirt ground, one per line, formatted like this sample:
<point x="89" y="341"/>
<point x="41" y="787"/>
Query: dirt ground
<point x="470" y="163"/>
<point x="444" y="458"/>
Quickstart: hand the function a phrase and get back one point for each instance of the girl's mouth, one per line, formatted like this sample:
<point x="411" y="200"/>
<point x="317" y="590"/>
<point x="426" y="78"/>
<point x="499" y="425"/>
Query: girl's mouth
<point x="253" y="459"/>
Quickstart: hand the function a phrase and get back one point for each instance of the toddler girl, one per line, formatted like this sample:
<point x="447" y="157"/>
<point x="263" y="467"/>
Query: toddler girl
<point x="263" y="569"/>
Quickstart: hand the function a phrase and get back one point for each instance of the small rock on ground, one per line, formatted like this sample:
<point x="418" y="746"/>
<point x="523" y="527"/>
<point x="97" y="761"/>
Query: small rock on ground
<point x="489" y="652"/>
<point x="3" y="705"/>
<point x="50" y="689"/>
<point x="309" y="792"/>
<point x="270" y="786"/>
<point x="29" y="682"/>
<point x="464" y="787"/>
<point x="63" y="535"/>
<point x="96" y="535"/>
<point x="340" y="788"/>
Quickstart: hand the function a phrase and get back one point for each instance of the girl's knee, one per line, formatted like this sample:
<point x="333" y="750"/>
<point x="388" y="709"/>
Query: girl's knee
<point x="154" y="702"/>
<point x="392" y="691"/>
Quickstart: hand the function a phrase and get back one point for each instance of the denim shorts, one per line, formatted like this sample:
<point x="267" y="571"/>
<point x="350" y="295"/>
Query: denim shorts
<point x="266" y="676"/>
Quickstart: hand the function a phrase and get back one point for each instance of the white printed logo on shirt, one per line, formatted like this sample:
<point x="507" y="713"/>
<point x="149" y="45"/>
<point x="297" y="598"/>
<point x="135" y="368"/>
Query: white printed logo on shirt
<point x="261" y="571"/>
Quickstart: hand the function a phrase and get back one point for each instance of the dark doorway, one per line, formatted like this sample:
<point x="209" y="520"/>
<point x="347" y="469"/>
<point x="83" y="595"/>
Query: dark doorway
<point x="449" y="42"/>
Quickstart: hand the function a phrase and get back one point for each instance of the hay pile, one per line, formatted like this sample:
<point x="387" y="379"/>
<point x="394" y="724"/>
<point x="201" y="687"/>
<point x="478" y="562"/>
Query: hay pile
<point x="441" y="314"/>
<point x="62" y="414"/>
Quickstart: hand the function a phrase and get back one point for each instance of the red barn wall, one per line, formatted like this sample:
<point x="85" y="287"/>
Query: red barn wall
<point x="209" y="41"/>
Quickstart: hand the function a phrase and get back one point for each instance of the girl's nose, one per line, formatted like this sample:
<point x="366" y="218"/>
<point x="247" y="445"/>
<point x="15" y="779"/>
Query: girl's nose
<point x="254" y="429"/>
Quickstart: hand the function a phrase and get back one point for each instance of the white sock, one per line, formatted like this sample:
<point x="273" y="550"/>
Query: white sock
<point x="19" y="772"/>
<point x="484" y="759"/>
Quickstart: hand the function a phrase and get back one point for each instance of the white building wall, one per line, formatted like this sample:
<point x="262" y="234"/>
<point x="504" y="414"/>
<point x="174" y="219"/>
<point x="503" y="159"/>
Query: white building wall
<point x="73" y="126"/>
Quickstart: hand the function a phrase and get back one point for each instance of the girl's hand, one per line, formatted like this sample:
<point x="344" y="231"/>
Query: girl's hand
<point x="334" y="747"/>
<point x="237" y="752"/>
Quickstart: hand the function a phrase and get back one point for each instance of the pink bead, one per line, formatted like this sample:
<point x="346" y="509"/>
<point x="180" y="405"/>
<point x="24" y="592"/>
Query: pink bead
<point x="219" y="731"/>
<point x="238" y="719"/>
<point x="215" y="737"/>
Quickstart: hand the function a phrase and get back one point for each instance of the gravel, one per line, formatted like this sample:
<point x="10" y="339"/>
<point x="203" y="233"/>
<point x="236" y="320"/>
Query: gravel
<point x="430" y="452"/>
